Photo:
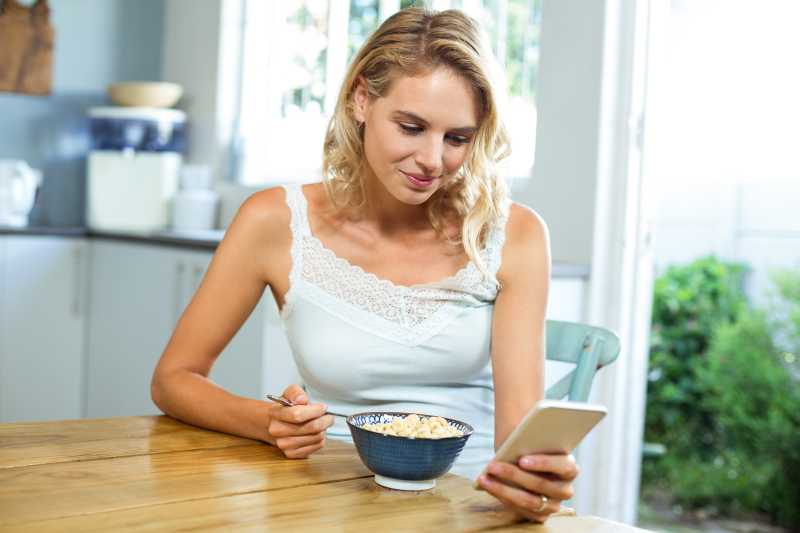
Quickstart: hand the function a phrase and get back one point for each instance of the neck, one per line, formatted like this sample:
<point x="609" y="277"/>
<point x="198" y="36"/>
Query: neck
<point x="390" y="215"/>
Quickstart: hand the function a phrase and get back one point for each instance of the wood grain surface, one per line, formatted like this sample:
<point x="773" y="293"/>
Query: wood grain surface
<point x="25" y="444"/>
<point x="26" y="48"/>
<point x="154" y="473"/>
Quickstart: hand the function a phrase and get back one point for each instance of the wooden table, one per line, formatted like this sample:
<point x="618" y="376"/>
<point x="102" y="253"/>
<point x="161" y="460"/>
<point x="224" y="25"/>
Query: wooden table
<point x="154" y="473"/>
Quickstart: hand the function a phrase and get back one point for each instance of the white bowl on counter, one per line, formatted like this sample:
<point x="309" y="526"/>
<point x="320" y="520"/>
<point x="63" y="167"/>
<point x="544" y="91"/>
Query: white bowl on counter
<point x="145" y="93"/>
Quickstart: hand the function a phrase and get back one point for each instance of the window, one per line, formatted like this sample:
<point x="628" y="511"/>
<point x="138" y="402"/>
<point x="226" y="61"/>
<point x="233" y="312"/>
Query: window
<point x="295" y="54"/>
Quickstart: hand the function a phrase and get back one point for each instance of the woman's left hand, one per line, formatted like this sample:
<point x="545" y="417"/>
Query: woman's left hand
<point x="534" y="487"/>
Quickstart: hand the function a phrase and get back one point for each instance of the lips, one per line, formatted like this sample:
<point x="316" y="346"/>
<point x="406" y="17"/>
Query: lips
<point x="419" y="177"/>
<point x="420" y="181"/>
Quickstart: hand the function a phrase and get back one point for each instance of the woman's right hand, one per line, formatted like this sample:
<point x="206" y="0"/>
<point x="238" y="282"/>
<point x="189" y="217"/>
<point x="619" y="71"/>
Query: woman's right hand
<point x="299" y="430"/>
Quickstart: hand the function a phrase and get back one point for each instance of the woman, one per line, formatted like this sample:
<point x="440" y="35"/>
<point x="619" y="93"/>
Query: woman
<point x="407" y="280"/>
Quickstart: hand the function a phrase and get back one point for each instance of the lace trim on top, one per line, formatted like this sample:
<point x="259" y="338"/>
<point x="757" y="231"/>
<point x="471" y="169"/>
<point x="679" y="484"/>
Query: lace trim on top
<point x="403" y="313"/>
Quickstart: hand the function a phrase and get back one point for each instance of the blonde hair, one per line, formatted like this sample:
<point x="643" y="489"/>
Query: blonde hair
<point x="414" y="41"/>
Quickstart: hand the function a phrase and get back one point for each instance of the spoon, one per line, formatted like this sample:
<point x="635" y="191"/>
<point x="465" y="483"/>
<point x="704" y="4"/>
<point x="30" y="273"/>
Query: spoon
<point x="288" y="403"/>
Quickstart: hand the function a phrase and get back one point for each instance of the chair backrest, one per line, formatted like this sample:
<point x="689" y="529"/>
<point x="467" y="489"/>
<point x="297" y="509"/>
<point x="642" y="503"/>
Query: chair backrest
<point x="589" y="348"/>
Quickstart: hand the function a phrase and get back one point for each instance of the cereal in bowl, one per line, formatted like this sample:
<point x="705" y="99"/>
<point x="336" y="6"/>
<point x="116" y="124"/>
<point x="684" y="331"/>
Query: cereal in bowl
<point x="416" y="427"/>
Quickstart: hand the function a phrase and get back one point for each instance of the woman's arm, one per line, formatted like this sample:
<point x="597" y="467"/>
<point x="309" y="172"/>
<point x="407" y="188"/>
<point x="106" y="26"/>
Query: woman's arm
<point x="536" y="485"/>
<point x="253" y="254"/>
<point x="518" y="324"/>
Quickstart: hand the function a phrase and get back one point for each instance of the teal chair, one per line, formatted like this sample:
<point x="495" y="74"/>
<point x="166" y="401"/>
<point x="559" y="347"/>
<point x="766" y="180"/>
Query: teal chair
<point x="589" y="348"/>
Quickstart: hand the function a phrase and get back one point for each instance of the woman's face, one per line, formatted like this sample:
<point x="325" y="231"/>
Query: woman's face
<point x="418" y="135"/>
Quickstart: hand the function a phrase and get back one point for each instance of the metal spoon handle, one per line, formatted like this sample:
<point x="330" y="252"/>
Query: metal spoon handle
<point x="288" y="403"/>
<point x="281" y="400"/>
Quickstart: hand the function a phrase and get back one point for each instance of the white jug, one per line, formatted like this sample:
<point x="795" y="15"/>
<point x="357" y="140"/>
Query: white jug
<point x="18" y="186"/>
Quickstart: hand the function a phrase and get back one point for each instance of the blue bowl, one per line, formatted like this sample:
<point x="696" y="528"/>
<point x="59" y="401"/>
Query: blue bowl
<point x="405" y="458"/>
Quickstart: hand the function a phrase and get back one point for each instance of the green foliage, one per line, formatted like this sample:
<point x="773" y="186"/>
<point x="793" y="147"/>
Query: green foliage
<point x="757" y="408"/>
<point x="689" y="302"/>
<point x="785" y="314"/>
<point x="724" y="395"/>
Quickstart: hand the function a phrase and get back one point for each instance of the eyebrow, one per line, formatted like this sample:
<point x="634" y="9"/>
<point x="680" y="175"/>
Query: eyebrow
<point x="465" y="130"/>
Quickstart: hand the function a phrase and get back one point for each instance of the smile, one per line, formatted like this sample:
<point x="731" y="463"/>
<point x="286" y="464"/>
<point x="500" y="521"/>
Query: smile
<point x="419" y="181"/>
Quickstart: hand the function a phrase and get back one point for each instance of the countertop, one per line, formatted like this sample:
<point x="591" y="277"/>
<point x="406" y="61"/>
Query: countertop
<point x="206" y="240"/>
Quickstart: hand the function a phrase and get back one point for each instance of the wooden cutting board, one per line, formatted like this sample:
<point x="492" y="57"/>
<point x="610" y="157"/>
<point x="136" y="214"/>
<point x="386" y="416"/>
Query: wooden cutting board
<point x="26" y="48"/>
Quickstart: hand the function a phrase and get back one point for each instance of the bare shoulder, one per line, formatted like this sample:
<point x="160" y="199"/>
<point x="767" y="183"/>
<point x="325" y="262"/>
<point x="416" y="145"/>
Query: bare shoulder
<point x="525" y="226"/>
<point x="261" y="231"/>
<point x="264" y="213"/>
<point x="527" y="245"/>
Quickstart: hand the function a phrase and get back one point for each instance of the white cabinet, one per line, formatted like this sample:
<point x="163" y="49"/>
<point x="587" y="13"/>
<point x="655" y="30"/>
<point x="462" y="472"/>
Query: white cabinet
<point x="42" y="318"/>
<point x="133" y="306"/>
<point x="138" y="293"/>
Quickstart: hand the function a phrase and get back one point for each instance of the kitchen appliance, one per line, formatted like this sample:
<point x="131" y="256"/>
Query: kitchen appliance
<point x="133" y="167"/>
<point x="18" y="186"/>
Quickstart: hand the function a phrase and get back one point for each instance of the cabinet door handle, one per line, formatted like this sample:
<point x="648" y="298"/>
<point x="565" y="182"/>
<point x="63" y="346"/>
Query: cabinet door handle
<point x="198" y="276"/>
<point x="179" y="270"/>
<point x="77" y="254"/>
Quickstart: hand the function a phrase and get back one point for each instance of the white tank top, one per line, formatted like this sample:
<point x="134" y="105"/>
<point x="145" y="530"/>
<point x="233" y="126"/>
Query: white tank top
<point x="362" y="343"/>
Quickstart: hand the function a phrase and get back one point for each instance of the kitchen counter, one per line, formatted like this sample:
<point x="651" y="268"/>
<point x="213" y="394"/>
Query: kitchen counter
<point x="206" y="240"/>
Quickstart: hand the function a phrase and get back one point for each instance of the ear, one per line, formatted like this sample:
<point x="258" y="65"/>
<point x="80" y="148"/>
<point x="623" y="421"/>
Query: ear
<point x="360" y="100"/>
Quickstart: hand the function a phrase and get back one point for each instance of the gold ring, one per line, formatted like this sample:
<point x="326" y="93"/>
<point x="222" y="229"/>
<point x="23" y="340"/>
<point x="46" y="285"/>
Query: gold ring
<point x="544" y="503"/>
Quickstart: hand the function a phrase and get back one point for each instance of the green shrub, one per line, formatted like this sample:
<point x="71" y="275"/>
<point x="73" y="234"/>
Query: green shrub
<point x="723" y="394"/>
<point x="689" y="302"/>
<point x="756" y="403"/>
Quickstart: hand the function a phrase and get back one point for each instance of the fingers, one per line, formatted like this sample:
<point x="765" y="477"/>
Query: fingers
<point x="523" y="502"/>
<point x="299" y="430"/>
<point x="295" y="394"/>
<point x="556" y="489"/>
<point x="295" y="443"/>
<point x="524" y="486"/>
<point x="281" y="428"/>
<point x="300" y="441"/>
<point x="300" y="414"/>
<point x="562" y="466"/>
<point x="302" y="453"/>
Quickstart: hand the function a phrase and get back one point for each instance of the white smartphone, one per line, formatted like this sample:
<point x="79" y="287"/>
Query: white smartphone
<point x="551" y="426"/>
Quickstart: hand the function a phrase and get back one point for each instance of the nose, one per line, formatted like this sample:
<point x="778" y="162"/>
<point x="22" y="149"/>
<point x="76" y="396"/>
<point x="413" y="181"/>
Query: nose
<point x="429" y="156"/>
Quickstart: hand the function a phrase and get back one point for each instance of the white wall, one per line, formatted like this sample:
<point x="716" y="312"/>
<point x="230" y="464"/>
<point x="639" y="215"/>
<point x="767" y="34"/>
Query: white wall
<point x="729" y="172"/>
<point x="98" y="42"/>
<point x="754" y="222"/>
<point x="563" y="185"/>
<point x="201" y="52"/>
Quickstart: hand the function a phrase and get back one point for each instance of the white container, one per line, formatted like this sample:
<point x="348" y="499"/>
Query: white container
<point x="130" y="190"/>
<point x="195" y="209"/>
<point x="195" y="206"/>
<point x="195" y="177"/>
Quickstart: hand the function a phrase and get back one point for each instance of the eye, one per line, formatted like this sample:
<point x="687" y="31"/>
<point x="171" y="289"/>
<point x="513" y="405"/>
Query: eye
<point x="458" y="140"/>
<point x="410" y="129"/>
